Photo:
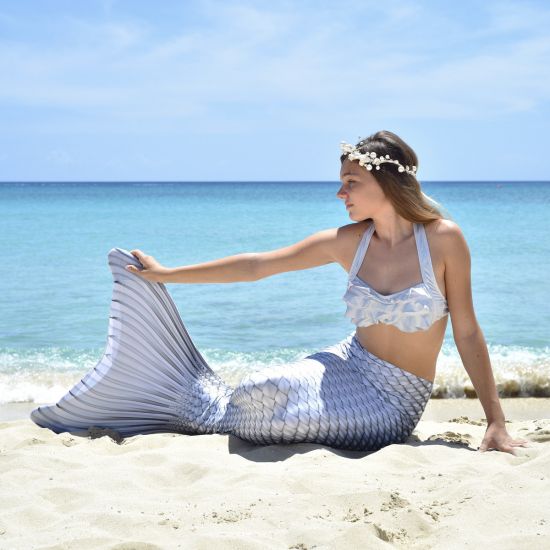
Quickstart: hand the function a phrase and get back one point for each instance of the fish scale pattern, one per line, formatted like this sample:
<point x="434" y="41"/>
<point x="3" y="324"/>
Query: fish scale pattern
<point x="152" y="378"/>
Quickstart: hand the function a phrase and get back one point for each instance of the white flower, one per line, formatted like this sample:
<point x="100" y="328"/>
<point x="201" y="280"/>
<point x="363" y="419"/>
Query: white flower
<point x="369" y="158"/>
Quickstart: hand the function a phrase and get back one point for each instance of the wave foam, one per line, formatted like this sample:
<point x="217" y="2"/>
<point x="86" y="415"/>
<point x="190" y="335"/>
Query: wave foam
<point x="44" y="376"/>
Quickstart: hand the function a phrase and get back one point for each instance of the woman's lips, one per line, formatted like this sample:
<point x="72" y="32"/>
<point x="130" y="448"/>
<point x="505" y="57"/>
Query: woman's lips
<point x="348" y="205"/>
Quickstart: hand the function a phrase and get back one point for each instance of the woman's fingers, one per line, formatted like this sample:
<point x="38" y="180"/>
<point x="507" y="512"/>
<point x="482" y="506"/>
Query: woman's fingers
<point x="507" y="446"/>
<point x="150" y="270"/>
<point x="137" y="253"/>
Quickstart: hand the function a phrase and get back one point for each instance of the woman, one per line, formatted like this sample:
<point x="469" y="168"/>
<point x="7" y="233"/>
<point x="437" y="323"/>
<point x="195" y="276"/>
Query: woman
<point x="408" y="269"/>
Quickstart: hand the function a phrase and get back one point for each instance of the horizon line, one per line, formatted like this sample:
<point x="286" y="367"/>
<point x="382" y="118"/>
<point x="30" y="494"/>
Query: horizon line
<point x="256" y="181"/>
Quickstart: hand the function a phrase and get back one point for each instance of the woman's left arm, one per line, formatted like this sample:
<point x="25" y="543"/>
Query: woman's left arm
<point x="469" y="338"/>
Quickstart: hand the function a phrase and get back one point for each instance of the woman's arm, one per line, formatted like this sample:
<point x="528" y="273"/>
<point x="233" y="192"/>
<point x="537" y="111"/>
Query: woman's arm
<point x="238" y="268"/>
<point x="469" y="338"/>
<point x="315" y="250"/>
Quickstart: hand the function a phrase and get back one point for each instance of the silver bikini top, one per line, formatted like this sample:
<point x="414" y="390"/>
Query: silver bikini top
<point x="410" y="310"/>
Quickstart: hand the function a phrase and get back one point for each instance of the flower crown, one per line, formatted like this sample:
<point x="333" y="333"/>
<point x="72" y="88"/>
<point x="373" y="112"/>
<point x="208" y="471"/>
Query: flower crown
<point x="369" y="159"/>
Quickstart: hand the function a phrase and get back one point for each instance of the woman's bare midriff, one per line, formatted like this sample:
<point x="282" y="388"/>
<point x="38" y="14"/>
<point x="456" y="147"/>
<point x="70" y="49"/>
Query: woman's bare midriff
<point x="415" y="352"/>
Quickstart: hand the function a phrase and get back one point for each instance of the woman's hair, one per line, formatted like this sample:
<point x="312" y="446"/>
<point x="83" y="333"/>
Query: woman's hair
<point x="402" y="189"/>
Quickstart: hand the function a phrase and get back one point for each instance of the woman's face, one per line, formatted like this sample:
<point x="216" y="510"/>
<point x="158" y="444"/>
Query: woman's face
<point x="360" y="191"/>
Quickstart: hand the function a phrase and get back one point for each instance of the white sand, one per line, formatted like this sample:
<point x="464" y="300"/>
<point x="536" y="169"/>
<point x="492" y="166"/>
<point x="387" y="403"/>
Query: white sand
<point x="215" y="491"/>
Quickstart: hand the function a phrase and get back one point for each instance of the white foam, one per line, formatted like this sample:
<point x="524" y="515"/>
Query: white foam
<point x="45" y="376"/>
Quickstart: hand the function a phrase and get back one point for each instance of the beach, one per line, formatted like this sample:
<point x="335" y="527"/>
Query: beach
<point x="206" y="208"/>
<point x="170" y="490"/>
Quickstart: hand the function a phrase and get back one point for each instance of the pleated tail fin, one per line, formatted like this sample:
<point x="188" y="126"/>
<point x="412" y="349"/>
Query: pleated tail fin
<point x="151" y="377"/>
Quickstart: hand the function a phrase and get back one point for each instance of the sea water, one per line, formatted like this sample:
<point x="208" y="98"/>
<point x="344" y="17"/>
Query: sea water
<point x="56" y="283"/>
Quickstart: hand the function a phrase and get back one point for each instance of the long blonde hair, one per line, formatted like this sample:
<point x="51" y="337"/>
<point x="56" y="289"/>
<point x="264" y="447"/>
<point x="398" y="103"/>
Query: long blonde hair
<point x="402" y="189"/>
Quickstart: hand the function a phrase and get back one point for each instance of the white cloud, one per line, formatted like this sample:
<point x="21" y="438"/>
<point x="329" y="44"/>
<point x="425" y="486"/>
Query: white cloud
<point x="359" y="57"/>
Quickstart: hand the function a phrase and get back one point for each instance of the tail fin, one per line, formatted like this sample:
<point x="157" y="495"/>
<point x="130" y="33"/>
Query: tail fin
<point x="151" y="377"/>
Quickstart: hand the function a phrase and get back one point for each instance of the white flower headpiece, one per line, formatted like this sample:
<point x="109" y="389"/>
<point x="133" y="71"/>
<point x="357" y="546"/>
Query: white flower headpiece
<point x="370" y="159"/>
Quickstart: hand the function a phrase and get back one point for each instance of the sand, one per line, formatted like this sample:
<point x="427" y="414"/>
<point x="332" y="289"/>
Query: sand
<point x="216" y="491"/>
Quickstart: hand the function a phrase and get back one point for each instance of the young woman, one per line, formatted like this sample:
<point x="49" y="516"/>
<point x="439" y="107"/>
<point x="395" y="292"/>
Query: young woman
<point x="409" y="268"/>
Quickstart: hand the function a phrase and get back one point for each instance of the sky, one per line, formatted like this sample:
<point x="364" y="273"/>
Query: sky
<point x="225" y="90"/>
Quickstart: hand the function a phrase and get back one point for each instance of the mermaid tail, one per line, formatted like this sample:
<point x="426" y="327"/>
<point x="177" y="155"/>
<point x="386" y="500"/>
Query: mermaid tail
<point x="342" y="396"/>
<point x="152" y="378"/>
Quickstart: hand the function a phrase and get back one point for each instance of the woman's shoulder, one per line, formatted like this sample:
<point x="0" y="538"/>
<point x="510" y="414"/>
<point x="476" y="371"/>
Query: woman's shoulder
<point x="347" y="240"/>
<point x="351" y="233"/>
<point x="355" y="229"/>
<point x="443" y="229"/>
<point x="445" y="238"/>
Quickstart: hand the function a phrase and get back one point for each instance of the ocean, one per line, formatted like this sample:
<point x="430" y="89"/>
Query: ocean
<point x="57" y="285"/>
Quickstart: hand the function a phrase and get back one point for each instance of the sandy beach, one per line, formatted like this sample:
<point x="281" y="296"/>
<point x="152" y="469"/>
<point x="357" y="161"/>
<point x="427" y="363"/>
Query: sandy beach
<point x="176" y="491"/>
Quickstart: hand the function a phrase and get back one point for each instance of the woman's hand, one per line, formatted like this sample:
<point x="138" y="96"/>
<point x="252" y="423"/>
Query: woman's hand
<point x="152" y="270"/>
<point x="496" y="437"/>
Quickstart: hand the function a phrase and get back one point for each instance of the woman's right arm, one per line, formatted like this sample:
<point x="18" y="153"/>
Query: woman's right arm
<point x="315" y="250"/>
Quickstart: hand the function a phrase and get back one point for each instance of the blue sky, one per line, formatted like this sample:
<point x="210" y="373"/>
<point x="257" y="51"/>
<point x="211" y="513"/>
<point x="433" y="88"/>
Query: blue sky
<point x="250" y="90"/>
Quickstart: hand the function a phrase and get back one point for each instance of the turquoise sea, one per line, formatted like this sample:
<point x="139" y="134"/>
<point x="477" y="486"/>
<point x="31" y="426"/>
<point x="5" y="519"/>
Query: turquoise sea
<point x="56" y="284"/>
